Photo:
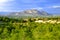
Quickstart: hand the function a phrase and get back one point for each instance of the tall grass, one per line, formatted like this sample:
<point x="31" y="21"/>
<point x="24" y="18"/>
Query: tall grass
<point x="12" y="29"/>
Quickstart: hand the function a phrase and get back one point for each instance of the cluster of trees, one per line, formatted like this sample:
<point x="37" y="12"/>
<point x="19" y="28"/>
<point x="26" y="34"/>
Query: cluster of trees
<point x="6" y="19"/>
<point x="24" y="29"/>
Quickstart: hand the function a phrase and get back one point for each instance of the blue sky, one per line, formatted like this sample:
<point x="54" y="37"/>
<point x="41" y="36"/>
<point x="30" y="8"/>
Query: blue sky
<point x="50" y="6"/>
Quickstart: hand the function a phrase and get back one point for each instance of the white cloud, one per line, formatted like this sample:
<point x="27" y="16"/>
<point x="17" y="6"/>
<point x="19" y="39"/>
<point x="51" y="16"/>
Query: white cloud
<point x="3" y="1"/>
<point x="5" y="10"/>
<point x="5" y="5"/>
<point x="39" y="8"/>
<point x="8" y="5"/>
<point x="54" y="7"/>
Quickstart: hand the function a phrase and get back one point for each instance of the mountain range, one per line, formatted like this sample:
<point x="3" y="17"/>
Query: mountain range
<point x="31" y="12"/>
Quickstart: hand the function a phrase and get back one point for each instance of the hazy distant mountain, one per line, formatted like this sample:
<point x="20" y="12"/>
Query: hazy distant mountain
<point x="31" y="12"/>
<point x="4" y="13"/>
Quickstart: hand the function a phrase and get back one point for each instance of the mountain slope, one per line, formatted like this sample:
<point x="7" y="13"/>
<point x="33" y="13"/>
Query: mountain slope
<point x="31" y="12"/>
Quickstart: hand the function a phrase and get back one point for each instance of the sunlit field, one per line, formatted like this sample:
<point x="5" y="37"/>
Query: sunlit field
<point x="29" y="29"/>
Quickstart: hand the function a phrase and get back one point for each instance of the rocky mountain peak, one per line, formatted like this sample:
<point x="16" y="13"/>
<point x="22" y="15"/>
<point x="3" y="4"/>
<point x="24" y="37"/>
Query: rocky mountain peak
<point x="30" y="12"/>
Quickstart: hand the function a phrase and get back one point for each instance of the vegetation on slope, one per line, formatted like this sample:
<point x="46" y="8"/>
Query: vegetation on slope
<point x="27" y="29"/>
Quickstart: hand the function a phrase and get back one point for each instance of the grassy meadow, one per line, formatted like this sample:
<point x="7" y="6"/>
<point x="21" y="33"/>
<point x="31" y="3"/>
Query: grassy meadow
<point x="28" y="29"/>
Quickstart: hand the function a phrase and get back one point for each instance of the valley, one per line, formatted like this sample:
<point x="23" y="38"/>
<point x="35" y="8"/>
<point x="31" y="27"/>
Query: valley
<point x="29" y="28"/>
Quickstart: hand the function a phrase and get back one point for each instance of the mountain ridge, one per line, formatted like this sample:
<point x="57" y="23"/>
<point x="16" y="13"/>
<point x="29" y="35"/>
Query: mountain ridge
<point x="30" y="12"/>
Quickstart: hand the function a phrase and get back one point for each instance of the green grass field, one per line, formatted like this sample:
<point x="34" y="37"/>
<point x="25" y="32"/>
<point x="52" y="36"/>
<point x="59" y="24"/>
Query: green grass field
<point x="12" y="29"/>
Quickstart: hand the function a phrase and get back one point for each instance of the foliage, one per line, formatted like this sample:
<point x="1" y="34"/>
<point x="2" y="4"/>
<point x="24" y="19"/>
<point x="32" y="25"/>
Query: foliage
<point x="17" y="29"/>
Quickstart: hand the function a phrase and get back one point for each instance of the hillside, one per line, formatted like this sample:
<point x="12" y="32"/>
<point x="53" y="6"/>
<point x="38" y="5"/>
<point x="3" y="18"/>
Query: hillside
<point x="31" y="12"/>
<point x="19" y="29"/>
